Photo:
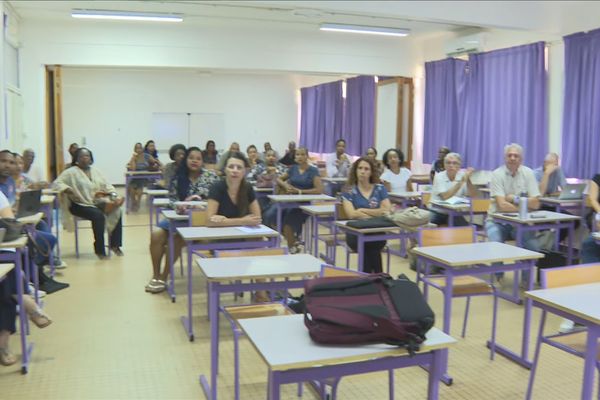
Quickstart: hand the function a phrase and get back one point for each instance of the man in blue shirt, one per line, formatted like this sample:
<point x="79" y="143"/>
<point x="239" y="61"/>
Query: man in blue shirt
<point x="7" y="183"/>
<point x="550" y="176"/>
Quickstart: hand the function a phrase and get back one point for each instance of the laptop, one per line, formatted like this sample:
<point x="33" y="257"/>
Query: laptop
<point x="572" y="191"/>
<point x="29" y="203"/>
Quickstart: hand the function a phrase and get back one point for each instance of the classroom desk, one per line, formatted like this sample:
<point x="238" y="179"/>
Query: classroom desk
<point x="333" y="183"/>
<point x="420" y="180"/>
<point x="263" y="191"/>
<point x="317" y="214"/>
<point x="560" y="205"/>
<point x="452" y="210"/>
<point x="372" y="235"/>
<point x="30" y="269"/>
<point x="406" y="199"/>
<point x="231" y="275"/>
<point x="477" y="259"/>
<point x="220" y="238"/>
<point x="578" y="303"/>
<point x="133" y="175"/>
<point x="283" y="201"/>
<point x="311" y="361"/>
<point x="15" y="252"/>
<point x="175" y="220"/>
<point x="154" y="194"/>
<point x="539" y="220"/>
<point x="156" y="207"/>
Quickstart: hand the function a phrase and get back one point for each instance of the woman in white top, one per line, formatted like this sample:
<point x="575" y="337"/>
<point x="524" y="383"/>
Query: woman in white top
<point x="451" y="183"/>
<point x="396" y="178"/>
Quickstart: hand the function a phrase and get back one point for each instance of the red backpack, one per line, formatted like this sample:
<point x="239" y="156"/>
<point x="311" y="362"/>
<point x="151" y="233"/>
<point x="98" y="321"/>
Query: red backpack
<point x="367" y="309"/>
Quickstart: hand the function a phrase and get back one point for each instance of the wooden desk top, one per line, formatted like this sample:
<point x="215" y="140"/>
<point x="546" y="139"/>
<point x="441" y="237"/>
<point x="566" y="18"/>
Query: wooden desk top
<point x="460" y="255"/>
<point x="556" y="200"/>
<point x="228" y="232"/>
<point x="544" y="217"/>
<point x="263" y="189"/>
<point x="406" y="195"/>
<point x="291" y="332"/>
<point x="156" y="192"/>
<point x="453" y="207"/>
<point x="321" y="210"/>
<point x="579" y="300"/>
<point x="32" y="219"/>
<point x="143" y="173"/>
<point x="15" y="244"/>
<point x="160" y="202"/>
<point x="298" y="198"/>
<point x="421" y="179"/>
<point x="192" y="204"/>
<point x="171" y="214"/>
<point x="281" y="266"/>
<point x="47" y="199"/>
<point x="339" y="179"/>
<point x="5" y="269"/>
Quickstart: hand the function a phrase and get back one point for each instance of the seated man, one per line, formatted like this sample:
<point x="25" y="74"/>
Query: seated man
<point x="507" y="183"/>
<point x="338" y="165"/>
<point x="449" y="183"/>
<point x="437" y="165"/>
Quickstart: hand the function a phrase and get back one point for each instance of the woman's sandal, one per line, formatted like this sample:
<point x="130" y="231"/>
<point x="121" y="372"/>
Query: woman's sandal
<point x="39" y="318"/>
<point x="7" y="358"/>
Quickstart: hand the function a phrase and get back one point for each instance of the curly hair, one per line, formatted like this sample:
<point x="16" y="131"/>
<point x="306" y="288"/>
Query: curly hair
<point x="353" y="178"/>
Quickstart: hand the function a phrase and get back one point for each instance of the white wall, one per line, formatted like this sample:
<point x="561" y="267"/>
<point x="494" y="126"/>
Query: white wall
<point x="111" y="109"/>
<point x="89" y="43"/>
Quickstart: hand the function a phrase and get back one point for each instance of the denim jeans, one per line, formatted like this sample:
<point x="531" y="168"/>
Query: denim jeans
<point x="497" y="232"/>
<point x="44" y="242"/>
<point x="590" y="251"/>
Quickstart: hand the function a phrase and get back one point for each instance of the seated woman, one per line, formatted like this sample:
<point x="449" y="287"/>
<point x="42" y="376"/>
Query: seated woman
<point x="265" y="175"/>
<point x="210" y="155"/>
<point x="253" y="160"/>
<point x="150" y="148"/>
<point x="91" y="197"/>
<point x="371" y="154"/>
<point x="301" y="178"/>
<point x="176" y="154"/>
<point x="366" y="198"/>
<point x="191" y="182"/>
<point x="396" y="178"/>
<point x="22" y="181"/>
<point x="231" y="200"/>
<point x="590" y="248"/>
<point x="140" y="161"/>
<point x="449" y="183"/>
<point x="8" y="303"/>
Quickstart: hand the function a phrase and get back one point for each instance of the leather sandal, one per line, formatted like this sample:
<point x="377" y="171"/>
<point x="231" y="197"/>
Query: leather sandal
<point x="7" y="358"/>
<point x="39" y="318"/>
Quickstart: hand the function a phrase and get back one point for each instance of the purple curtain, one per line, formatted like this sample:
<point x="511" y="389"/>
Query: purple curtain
<point x="359" y="114"/>
<point x="321" y="117"/>
<point x="503" y="100"/>
<point x="444" y="98"/>
<point x="581" y="110"/>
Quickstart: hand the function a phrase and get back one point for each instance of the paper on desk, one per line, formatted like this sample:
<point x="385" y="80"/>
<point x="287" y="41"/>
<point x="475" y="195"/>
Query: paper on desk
<point x="455" y="200"/>
<point x="254" y="229"/>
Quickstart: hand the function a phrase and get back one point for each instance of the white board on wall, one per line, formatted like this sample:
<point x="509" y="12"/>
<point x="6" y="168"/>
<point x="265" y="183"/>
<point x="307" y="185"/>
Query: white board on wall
<point x="386" y="117"/>
<point x="190" y="129"/>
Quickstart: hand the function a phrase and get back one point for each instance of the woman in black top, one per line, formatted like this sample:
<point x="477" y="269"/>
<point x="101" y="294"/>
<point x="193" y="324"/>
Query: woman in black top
<point x="231" y="201"/>
<point x="209" y="154"/>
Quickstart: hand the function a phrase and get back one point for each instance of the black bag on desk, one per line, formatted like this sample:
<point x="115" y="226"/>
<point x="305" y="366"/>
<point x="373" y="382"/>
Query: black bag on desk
<point x="551" y="259"/>
<point x="14" y="229"/>
<point x="375" y="222"/>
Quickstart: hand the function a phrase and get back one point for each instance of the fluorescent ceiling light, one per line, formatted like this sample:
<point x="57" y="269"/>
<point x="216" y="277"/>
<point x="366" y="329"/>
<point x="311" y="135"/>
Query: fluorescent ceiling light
<point x="126" y="15"/>
<point x="372" y="30"/>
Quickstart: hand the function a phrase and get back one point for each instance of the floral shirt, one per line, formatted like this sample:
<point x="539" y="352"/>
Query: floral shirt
<point x="355" y="197"/>
<point x="261" y="169"/>
<point x="201" y="187"/>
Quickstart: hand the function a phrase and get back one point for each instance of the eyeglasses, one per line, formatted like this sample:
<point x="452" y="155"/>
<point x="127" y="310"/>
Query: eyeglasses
<point x="452" y="163"/>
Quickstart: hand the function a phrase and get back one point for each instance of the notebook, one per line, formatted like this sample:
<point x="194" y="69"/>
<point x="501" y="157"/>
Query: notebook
<point x="572" y="191"/>
<point x="29" y="203"/>
<point x="454" y="200"/>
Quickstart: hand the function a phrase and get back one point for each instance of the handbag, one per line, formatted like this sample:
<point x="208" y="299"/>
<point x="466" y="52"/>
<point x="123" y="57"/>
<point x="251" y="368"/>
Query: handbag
<point x="411" y="217"/>
<point x="375" y="222"/>
<point x="14" y="229"/>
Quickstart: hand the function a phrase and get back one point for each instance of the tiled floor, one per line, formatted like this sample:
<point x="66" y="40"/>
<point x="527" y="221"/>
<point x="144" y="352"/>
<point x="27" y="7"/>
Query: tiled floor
<point x="111" y="340"/>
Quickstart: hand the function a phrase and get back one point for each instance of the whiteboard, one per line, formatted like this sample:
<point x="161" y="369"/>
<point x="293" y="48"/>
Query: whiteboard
<point x="386" y="117"/>
<point x="190" y="129"/>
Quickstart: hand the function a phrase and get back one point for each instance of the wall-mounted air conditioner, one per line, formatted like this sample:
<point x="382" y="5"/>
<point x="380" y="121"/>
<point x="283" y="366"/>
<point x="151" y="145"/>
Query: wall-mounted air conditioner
<point x="465" y="44"/>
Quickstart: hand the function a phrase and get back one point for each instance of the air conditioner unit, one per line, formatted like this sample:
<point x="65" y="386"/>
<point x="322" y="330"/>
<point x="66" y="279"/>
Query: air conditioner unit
<point x="465" y="44"/>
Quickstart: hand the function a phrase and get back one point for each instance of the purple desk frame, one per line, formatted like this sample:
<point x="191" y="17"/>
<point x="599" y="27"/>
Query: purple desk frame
<point x="133" y="175"/>
<point x="173" y="225"/>
<point x="193" y="246"/>
<point x="592" y="346"/>
<point x="21" y="258"/>
<point x="483" y="269"/>
<point x="215" y="289"/>
<point x="316" y="219"/>
<point x="372" y="235"/>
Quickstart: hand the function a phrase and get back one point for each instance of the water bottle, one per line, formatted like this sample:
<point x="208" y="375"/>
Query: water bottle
<point x="523" y="206"/>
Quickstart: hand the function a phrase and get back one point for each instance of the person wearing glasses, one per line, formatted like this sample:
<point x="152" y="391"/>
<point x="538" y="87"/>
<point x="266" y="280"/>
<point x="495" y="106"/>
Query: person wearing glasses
<point x="451" y="182"/>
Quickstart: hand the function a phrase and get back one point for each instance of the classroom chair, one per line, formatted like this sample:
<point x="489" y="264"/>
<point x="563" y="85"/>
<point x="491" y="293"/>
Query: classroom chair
<point x="463" y="286"/>
<point x="76" y="221"/>
<point x="237" y="312"/>
<point x="478" y="206"/>
<point x="571" y="342"/>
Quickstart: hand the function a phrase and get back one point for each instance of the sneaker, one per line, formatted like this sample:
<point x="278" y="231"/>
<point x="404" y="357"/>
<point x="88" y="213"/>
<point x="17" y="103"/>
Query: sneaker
<point x="58" y="264"/>
<point x="566" y="326"/>
<point x="41" y="293"/>
<point x="155" y="286"/>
